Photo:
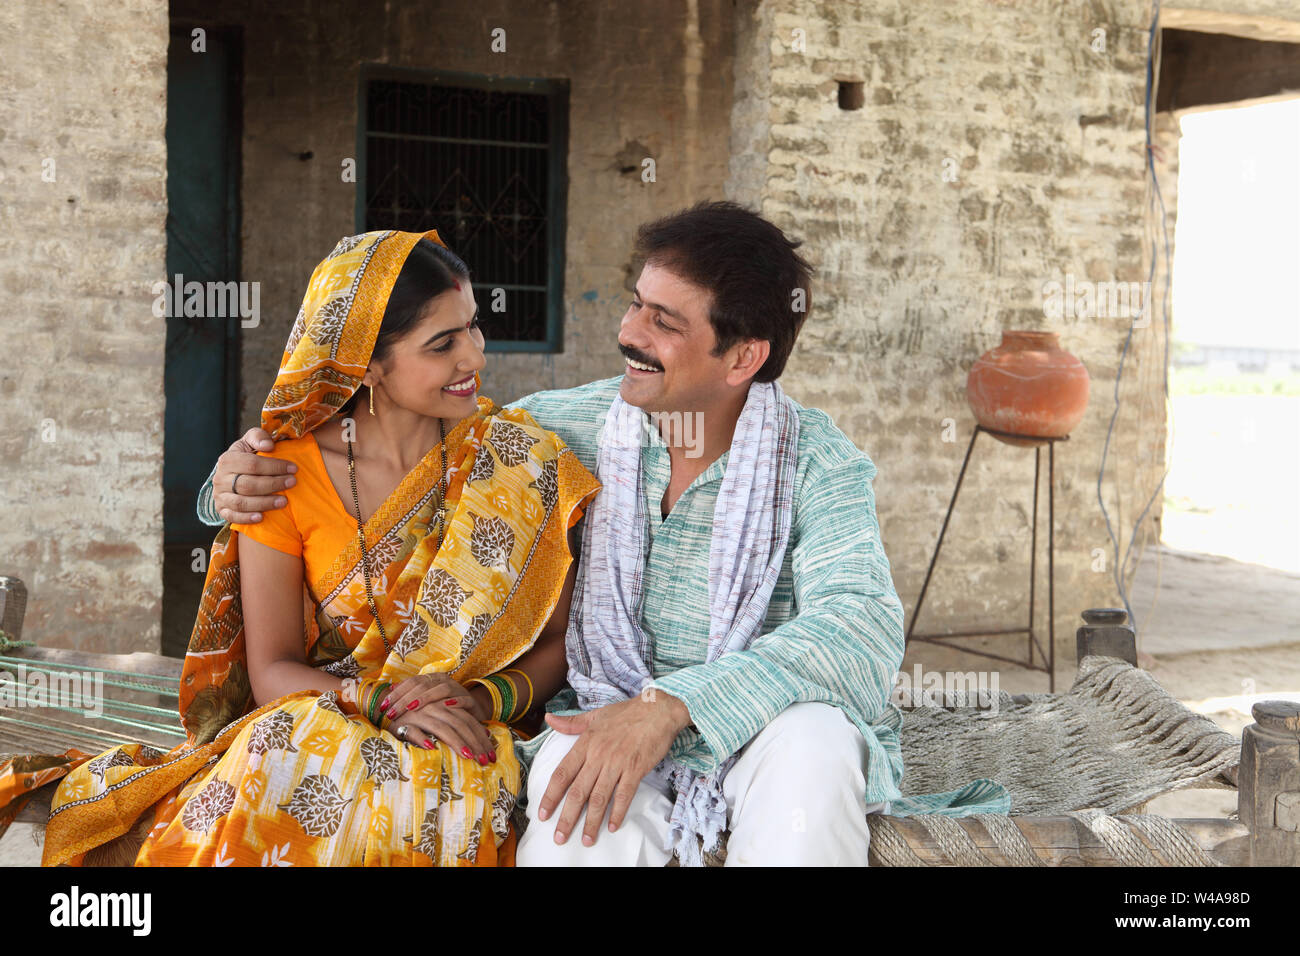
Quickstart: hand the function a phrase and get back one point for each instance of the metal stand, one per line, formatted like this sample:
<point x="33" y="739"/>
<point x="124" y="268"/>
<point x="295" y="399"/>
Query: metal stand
<point x="1049" y="665"/>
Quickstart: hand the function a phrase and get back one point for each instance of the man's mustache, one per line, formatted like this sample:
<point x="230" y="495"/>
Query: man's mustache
<point x="640" y="357"/>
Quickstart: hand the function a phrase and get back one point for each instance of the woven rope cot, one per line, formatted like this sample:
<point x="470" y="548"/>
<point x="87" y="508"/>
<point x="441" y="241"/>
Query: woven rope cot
<point x="1113" y="742"/>
<point x="1076" y="765"/>
<point x="1080" y="760"/>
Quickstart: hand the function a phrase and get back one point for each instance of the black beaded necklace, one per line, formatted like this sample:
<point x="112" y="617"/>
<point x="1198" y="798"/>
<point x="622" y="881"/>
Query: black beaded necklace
<point x="361" y="535"/>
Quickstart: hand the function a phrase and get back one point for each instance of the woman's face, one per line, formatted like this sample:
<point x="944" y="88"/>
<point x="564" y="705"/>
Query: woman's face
<point x="430" y="370"/>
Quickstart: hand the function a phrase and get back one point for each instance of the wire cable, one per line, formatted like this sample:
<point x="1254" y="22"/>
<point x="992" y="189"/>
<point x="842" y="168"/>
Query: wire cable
<point x="1120" y="565"/>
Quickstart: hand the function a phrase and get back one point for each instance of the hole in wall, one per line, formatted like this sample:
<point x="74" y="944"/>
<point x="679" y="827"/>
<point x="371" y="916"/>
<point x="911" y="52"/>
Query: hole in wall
<point x="852" y="94"/>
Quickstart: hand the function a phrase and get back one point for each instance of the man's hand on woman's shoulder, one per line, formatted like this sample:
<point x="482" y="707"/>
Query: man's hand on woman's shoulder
<point x="246" y="484"/>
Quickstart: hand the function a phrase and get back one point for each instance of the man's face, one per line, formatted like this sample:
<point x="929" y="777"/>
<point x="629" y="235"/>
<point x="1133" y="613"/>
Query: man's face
<point x="667" y="327"/>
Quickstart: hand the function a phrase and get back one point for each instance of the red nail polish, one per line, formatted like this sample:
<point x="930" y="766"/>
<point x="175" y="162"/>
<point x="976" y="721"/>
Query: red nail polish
<point x="412" y="705"/>
<point x="391" y="713"/>
<point x="450" y="703"/>
<point x="492" y="755"/>
<point x="384" y="704"/>
<point x="465" y="752"/>
<point x="482" y="759"/>
<point x="428" y="743"/>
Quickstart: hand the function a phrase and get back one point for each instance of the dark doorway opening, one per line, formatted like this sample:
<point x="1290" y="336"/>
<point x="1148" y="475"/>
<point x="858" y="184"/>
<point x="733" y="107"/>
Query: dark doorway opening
<point x="204" y="110"/>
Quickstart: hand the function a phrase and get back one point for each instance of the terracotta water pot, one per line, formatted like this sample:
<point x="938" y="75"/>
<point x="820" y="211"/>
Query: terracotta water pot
<point x="1028" y="385"/>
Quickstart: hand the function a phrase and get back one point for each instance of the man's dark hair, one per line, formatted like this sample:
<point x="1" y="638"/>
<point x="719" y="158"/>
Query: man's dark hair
<point x="749" y="266"/>
<point x="429" y="271"/>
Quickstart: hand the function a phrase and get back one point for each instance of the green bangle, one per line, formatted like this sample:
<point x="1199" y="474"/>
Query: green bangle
<point x="510" y="697"/>
<point x="507" y="689"/>
<point x="372" y="708"/>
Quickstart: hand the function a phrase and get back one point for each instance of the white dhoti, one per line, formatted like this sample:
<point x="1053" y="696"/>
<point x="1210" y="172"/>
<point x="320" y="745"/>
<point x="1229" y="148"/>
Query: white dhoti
<point x="794" y="798"/>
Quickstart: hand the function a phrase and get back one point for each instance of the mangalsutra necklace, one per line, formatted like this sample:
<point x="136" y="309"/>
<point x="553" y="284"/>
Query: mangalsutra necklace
<point x="361" y="534"/>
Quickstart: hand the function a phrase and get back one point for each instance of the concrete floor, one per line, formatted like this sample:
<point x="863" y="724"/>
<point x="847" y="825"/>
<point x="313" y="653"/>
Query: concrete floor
<point x="1219" y="634"/>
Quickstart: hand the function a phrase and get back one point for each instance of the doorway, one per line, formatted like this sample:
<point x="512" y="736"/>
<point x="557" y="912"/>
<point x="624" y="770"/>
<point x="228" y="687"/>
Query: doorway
<point x="204" y="109"/>
<point x="1234" y="473"/>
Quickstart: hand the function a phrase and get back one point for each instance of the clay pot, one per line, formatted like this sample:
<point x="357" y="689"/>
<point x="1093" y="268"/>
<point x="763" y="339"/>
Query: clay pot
<point x="1028" y="385"/>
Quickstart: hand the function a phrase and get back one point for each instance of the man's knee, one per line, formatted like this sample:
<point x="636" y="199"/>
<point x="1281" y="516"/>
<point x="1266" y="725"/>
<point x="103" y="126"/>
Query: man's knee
<point x="637" y="842"/>
<point x="633" y="844"/>
<point x="797" y="792"/>
<point x="810" y="755"/>
<point x="813" y="735"/>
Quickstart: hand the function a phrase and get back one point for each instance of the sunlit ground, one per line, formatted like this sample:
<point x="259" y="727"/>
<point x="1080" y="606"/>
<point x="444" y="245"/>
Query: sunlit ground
<point x="1234" y="481"/>
<point x="1234" y="485"/>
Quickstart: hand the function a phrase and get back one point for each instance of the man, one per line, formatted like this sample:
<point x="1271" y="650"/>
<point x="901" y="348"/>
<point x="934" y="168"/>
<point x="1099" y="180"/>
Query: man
<point x="736" y="632"/>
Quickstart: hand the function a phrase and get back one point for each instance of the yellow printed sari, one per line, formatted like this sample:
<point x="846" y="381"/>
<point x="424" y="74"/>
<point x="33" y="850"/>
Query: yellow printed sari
<point x="296" y="781"/>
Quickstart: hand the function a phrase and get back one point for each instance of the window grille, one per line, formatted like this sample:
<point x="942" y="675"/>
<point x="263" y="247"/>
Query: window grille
<point x="482" y="160"/>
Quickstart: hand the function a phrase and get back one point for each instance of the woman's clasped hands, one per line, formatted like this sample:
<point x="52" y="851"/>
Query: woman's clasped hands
<point x="426" y="708"/>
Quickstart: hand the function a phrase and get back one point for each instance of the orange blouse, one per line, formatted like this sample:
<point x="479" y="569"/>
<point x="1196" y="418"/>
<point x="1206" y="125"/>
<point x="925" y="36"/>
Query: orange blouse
<point x="314" y="525"/>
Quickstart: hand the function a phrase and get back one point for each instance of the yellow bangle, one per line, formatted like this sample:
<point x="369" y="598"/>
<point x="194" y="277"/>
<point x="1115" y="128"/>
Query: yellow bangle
<point x="494" y="693"/>
<point x="368" y="700"/>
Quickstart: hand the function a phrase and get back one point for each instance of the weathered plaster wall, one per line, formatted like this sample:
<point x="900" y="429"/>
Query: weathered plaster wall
<point x="1001" y="147"/>
<point x="82" y="210"/>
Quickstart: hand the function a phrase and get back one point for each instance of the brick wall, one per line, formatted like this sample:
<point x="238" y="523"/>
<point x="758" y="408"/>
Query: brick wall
<point x="82" y="382"/>
<point x="999" y="149"/>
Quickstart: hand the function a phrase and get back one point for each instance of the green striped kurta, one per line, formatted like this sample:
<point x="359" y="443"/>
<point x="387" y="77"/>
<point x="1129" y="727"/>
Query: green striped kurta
<point x="834" y="627"/>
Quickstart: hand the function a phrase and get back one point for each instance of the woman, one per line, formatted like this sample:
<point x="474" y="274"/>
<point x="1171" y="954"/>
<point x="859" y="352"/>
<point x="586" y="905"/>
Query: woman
<point x="359" y="654"/>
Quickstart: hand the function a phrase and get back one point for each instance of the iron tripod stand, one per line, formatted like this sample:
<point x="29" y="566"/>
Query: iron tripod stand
<point x="1048" y="664"/>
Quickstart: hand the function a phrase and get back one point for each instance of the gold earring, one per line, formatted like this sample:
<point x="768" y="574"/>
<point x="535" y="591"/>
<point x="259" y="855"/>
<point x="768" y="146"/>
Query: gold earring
<point x="372" y="399"/>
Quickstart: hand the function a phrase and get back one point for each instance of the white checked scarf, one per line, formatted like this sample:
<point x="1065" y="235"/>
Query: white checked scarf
<point x="608" y="652"/>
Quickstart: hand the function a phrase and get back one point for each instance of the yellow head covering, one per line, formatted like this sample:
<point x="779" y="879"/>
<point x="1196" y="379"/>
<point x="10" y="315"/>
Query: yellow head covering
<point x="322" y="367"/>
<point x="334" y="334"/>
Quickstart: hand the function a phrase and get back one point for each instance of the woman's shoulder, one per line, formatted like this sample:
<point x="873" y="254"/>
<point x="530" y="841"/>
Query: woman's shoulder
<point x="303" y="452"/>
<point x="503" y="422"/>
<point x="516" y="437"/>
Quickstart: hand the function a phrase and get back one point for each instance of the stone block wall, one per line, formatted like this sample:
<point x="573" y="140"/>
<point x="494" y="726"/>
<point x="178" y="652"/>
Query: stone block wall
<point x="82" y="212"/>
<point x="1001" y="147"/>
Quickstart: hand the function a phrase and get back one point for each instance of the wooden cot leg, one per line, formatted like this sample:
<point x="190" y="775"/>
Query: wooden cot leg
<point x="1268" y="783"/>
<point x="1106" y="633"/>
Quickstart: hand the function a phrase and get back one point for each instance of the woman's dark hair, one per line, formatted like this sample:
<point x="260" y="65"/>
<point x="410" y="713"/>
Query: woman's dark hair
<point x="429" y="271"/>
<point x="761" y="287"/>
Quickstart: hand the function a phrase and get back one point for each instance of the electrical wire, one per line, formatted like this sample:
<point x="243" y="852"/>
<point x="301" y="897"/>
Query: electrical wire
<point x="1120" y="565"/>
